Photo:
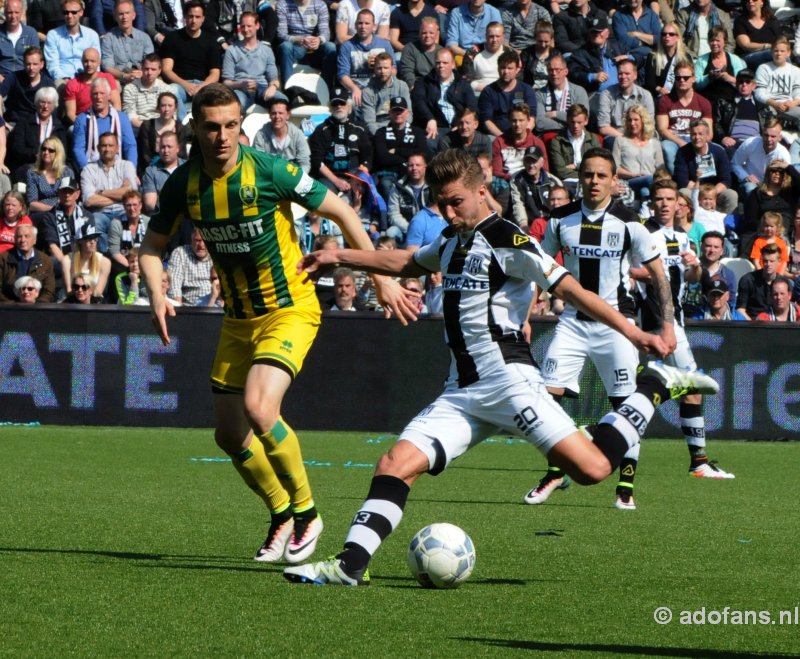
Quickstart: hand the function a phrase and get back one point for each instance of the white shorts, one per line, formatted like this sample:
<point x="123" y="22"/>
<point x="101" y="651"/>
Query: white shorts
<point x="682" y="357"/>
<point x="514" y="401"/>
<point x="574" y="341"/>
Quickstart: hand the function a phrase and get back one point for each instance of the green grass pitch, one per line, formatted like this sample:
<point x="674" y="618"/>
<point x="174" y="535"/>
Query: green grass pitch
<point x="119" y="542"/>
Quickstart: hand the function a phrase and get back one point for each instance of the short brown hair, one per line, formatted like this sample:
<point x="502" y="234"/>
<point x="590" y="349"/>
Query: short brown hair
<point x="211" y="96"/>
<point x="454" y="165"/>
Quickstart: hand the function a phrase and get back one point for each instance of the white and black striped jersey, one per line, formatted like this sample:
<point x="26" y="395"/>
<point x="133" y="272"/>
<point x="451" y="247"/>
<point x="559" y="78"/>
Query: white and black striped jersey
<point x="598" y="247"/>
<point x="671" y="241"/>
<point x="486" y="279"/>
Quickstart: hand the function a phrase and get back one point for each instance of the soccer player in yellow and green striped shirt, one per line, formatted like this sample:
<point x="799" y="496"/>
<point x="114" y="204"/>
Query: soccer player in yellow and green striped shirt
<point x="239" y="199"/>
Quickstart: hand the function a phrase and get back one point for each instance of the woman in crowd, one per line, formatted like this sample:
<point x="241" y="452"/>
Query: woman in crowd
<point x="27" y="289"/>
<point x="638" y="151"/>
<point x="779" y="193"/>
<point x="45" y="175"/>
<point x="31" y="131"/>
<point x="755" y="30"/>
<point x="715" y="72"/>
<point x="151" y="129"/>
<point x="87" y="261"/>
<point x="82" y="287"/>
<point x="14" y="211"/>
<point x="659" y="67"/>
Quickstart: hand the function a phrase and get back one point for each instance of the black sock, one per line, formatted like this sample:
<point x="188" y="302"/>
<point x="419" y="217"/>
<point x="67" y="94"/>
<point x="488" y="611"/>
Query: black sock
<point x="653" y="388"/>
<point x="379" y="515"/>
<point x="627" y="472"/>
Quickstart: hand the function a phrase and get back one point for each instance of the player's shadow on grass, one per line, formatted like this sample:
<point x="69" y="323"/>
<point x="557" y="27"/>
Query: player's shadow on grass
<point x="405" y="582"/>
<point x="650" y="651"/>
<point x="171" y="561"/>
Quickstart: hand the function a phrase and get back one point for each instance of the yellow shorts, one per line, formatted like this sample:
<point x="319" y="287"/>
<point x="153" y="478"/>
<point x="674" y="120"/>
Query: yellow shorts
<point x="282" y="338"/>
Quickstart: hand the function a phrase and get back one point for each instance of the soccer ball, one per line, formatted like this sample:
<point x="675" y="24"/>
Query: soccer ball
<point x="441" y="556"/>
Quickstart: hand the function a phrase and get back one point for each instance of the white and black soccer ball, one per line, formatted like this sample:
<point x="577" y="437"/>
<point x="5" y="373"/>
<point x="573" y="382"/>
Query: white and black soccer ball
<point x="441" y="556"/>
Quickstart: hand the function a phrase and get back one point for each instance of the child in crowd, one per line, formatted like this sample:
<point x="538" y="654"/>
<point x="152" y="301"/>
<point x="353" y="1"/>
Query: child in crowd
<point x="705" y="209"/>
<point x="770" y="230"/>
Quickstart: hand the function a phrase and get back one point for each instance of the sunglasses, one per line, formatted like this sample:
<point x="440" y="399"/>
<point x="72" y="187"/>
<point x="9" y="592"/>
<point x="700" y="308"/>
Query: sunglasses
<point x="669" y="34"/>
<point x="683" y="77"/>
<point x="71" y="12"/>
<point x="28" y="288"/>
<point x="81" y="287"/>
<point x="47" y="149"/>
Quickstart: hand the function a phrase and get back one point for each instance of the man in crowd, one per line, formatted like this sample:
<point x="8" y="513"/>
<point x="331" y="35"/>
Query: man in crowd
<point x="419" y="57"/>
<point x="124" y="46"/>
<point x="497" y="99"/>
<point x="394" y="145"/>
<point x="281" y="137"/>
<point x="248" y="66"/>
<point x="781" y="308"/>
<point x="15" y="39"/>
<point x="65" y="45"/>
<point x="78" y="90"/>
<point x="466" y="29"/>
<point x="594" y="67"/>
<point x="752" y="157"/>
<point x="737" y="120"/>
<point x="339" y="145"/>
<point x="754" y="294"/>
<point x="407" y="197"/>
<point x="465" y="135"/>
<point x="616" y="99"/>
<point x="676" y="111"/>
<point x="379" y="92"/>
<point x="555" y="98"/>
<point x="190" y="270"/>
<point x="19" y="89"/>
<point x="572" y="26"/>
<point x="702" y="161"/>
<point x="305" y="38"/>
<point x="190" y="57"/>
<point x="140" y="96"/>
<point x="637" y="29"/>
<point x="717" y="303"/>
<point x="103" y="184"/>
<point x="357" y="56"/>
<point x="441" y="96"/>
<point x="508" y="150"/>
<point x="60" y="225"/>
<point x="25" y="260"/>
<point x="483" y="69"/>
<point x="159" y="171"/>
<point x="100" y="118"/>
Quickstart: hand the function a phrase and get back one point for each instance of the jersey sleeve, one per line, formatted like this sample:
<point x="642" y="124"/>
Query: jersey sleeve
<point x="644" y="244"/>
<point x="551" y="242"/>
<point x="524" y="259"/>
<point x="292" y="183"/>
<point x="429" y="256"/>
<point x="171" y="203"/>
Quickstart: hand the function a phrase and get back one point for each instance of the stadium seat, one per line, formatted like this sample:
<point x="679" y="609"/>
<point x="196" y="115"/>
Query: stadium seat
<point x="313" y="82"/>
<point x="253" y="122"/>
<point x="738" y="266"/>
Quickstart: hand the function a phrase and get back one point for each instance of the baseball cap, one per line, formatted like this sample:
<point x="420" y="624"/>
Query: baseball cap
<point x="598" y="24"/>
<point x="340" y="95"/>
<point x="716" y="286"/>
<point x="87" y="230"/>
<point x="745" y="75"/>
<point x="68" y="183"/>
<point x="533" y="153"/>
<point x="398" y="102"/>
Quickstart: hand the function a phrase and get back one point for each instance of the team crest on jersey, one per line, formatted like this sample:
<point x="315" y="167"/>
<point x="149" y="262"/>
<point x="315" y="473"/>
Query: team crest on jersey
<point x="473" y="264"/>
<point x="248" y="194"/>
<point x="550" y="366"/>
<point x="520" y="240"/>
<point x="292" y="168"/>
<point x="613" y="239"/>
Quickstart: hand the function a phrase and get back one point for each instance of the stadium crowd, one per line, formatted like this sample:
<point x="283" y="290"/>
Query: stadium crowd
<point x="96" y="101"/>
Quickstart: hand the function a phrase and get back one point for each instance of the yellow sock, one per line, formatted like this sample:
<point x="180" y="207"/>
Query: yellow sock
<point x="256" y="470"/>
<point x="283" y="453"/>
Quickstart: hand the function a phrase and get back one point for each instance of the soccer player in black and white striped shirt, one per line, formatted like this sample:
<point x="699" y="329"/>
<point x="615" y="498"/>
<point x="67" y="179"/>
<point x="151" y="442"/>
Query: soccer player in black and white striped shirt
<point x="488" y="267"/>
<point x="598" y="238"/>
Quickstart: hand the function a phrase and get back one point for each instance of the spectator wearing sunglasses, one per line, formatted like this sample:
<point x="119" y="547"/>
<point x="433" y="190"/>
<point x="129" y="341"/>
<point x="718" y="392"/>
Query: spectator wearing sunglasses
<point x="64" y="45"/>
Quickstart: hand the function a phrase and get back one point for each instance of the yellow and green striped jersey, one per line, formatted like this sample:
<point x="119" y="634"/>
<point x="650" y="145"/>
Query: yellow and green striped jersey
<point x="246" y="220"/>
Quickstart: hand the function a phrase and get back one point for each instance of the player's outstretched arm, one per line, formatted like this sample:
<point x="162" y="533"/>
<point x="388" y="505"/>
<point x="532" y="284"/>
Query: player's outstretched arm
<point x="392" y="297"/>
<point x="569" y="290"/>
<point x="151" y="266"/>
